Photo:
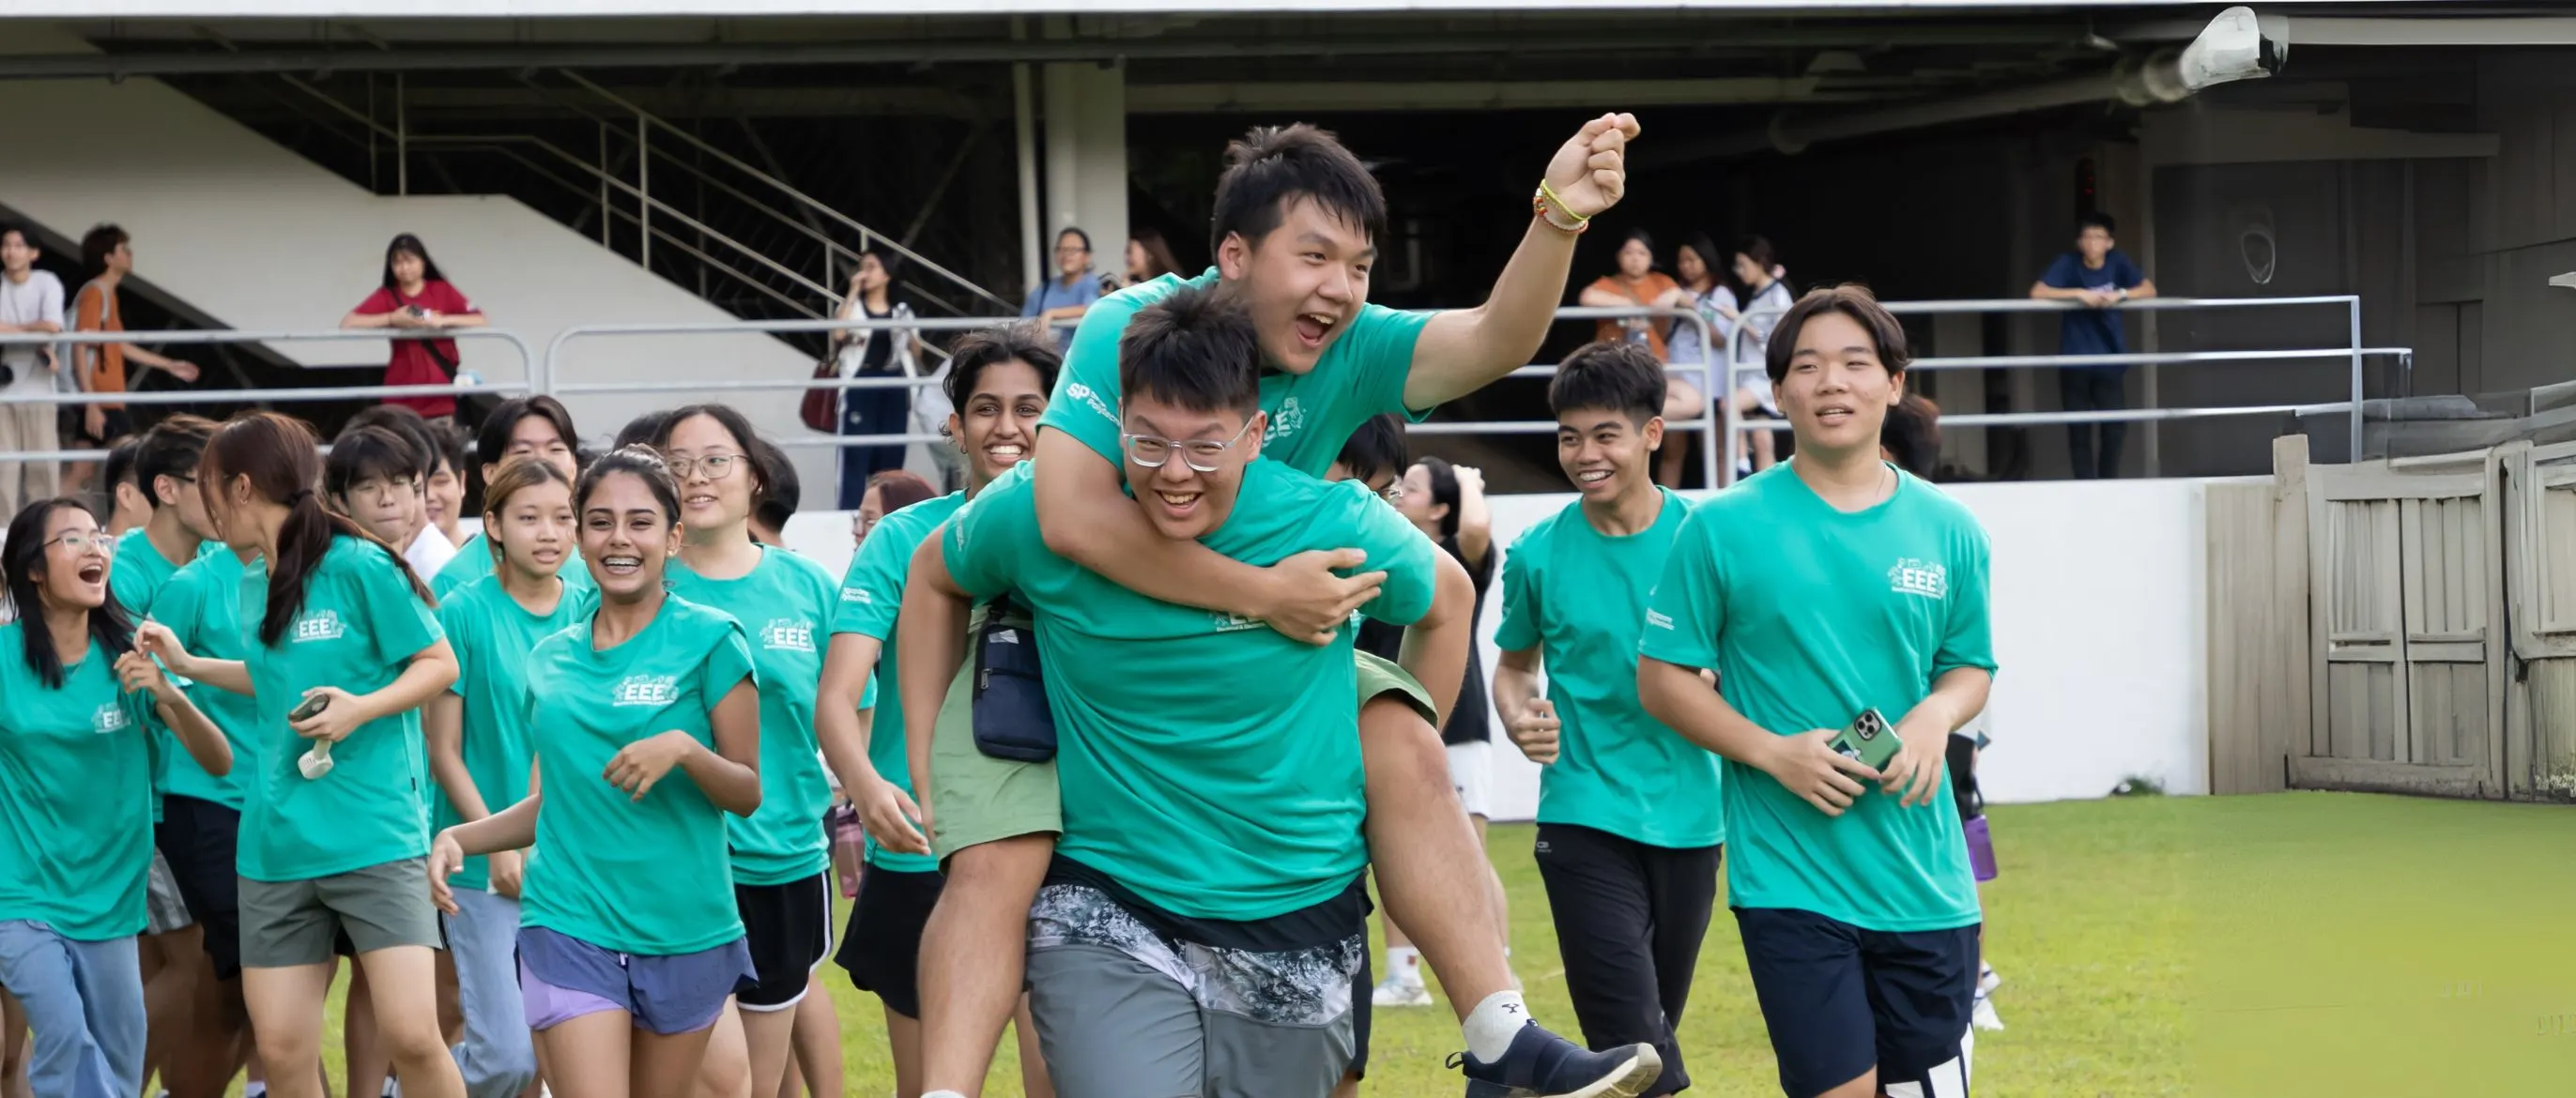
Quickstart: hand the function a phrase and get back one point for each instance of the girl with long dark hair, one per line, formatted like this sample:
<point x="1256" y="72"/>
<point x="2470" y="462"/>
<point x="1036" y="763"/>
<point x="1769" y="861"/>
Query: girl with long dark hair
<point x="481" y="747"/>
<point x="998" y="381"/>
<point x="781" y="858"/>
<point x="416" y="296"/>
<point x="334" y="832"/>
<point x="646" y="719"/>
<point x="75" y="785"/>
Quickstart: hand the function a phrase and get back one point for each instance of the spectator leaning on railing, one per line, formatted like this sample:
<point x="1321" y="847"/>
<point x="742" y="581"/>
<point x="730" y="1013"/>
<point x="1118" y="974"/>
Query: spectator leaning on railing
<point x="2099" y="274"/>
<point x="1063" y="299"/>
<point x="416" y="295"/>
<point x="107" y="253"/>
<point x="30" y="301"/>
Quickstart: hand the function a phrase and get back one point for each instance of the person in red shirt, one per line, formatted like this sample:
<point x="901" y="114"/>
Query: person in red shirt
<point x="416" y="296"/>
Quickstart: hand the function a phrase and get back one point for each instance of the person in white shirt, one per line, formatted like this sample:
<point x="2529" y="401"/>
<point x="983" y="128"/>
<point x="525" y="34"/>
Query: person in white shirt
<point x="30" y="301"/>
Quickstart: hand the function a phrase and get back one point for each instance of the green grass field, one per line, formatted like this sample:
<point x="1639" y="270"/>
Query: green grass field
<point x="2294" y="944"/>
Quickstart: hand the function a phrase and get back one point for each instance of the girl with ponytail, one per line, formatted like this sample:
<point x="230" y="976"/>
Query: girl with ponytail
<point x="334" y="830"/>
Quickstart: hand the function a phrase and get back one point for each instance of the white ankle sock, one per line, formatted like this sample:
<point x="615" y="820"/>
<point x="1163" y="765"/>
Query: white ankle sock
<point x="943" y="1094"/>
<point x="1404" y="964"/>
<point x="1492" y="1025"/>
<point x="255" y="1090"/>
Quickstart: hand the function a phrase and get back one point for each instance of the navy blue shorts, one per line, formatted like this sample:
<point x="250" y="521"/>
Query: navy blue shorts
<point x="562" y="978"/>
<point x="1840" y="1000"/>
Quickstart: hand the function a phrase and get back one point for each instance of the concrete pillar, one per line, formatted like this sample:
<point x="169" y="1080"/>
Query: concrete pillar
<point x="1086" y="159"/>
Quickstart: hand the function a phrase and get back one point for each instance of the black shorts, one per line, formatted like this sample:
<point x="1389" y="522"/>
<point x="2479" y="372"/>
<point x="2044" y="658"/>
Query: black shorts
<point x="882" y="948"/>
<point x="789" y="929"/>
<point x="1962" y="757"/>
<point x="1629" y="922"/>
<point x="1840" y="1000"/>
<point x="199" y="840"/>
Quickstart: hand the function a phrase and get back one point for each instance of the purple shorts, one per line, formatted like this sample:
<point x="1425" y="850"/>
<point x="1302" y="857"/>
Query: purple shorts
<point x="562" y="978"/>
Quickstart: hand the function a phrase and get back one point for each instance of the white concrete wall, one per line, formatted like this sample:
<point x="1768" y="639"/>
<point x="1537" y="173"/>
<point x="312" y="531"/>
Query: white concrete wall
<point x="2100" y="595"/>
<point x="258" y="237"/>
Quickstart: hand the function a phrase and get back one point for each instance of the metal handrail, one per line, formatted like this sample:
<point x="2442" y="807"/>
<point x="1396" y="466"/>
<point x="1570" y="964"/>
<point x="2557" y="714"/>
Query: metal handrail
<point x="817" y="205"/>
<point x="529" y="361"/>
<point x="2354" y="351"/>
<point x="1705" y="424"/>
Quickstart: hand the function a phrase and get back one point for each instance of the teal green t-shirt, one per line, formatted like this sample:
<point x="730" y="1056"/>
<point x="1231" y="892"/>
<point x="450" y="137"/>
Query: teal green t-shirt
<point x="1810" y="615"/>
<point x="202" y="606"/>
<point x="1361" y="374"/>
<point x="75" y="795"/>
<point x="358" y="628"/>
<point x="492" y="635"/>
<point x="473" y="561"/>
<point x="785" y="607"/>
<point x="648" y="876"/>
<point x="871" y="594"/>
<point x="1207" y="763"/>
<point x="1577" y="594"/>
<point x="136" y="579"/>
<point x="138" y="573"/>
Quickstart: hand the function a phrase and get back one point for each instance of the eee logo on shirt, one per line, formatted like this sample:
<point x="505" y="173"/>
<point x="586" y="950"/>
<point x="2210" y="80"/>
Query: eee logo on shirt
<point x="319" y="625"/>
<point x="648" y="690"/>
<point x="109" y="718"/>
<point x="791" y="635"/>
<point x="1922" y="578"/>
<point x="1236" y="623"/>
<point x="1291" y="416"/>
<point x="1085" y="394"/>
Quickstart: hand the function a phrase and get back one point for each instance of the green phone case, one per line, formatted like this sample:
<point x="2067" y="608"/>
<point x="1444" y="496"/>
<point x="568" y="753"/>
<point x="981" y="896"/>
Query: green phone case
<point x="1870" y="739"/>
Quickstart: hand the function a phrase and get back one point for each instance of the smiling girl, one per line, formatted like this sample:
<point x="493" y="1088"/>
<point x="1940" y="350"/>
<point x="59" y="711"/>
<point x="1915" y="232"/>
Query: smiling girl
<point x="75" y="786"/>
<point x="781" y="861"/>
<point x="481" y="748"/>
<point x="647" y="719"/>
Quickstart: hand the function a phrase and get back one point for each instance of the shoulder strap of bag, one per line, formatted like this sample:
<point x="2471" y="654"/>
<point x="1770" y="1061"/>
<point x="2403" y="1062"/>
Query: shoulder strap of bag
<point x="446" y="365"/>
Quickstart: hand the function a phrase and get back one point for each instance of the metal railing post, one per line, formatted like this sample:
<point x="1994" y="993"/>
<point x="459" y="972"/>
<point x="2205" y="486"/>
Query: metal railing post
<point x="402" y="141"/>
<point x="643" y="191"/>
<point x="1711" y="395"/>
<point x="2355" y="455"/>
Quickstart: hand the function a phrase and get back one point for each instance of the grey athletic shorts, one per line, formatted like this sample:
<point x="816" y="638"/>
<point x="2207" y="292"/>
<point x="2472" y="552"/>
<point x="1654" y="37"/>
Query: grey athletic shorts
<point x="285" y="924"/>
<point x="1124" y="1012"/>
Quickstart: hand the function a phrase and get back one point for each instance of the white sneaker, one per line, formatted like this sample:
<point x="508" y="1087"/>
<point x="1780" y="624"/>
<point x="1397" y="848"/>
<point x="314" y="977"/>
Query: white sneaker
<point x="1987" y="979"/>
<point x="1394" y="992"/>
<point x="1984" y="1016"/>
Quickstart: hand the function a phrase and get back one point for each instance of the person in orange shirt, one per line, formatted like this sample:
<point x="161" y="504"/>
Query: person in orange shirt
<point x="1637" y="283"/>
<point x="108" y="254"/>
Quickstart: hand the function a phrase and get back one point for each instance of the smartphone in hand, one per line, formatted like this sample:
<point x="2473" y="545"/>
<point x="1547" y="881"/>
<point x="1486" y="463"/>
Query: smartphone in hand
<point x="1869" y="739"/>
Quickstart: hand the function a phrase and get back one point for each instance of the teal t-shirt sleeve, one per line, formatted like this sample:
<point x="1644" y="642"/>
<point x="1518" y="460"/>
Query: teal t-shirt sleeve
<point x="1968" y="639"/>
<point x="1380" y="343"/>
<point x="1085" y="401"/>
<point x="1688" y="610"/>
<point x="398" y="621"/>
<point x="1519" y="629"/>
<point x="727" y="663"/>
<point x="1410" y="560"/>
<point x="980" y="543"/>
<point x="872" y="593"/>
<point x="451" y="621"/>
